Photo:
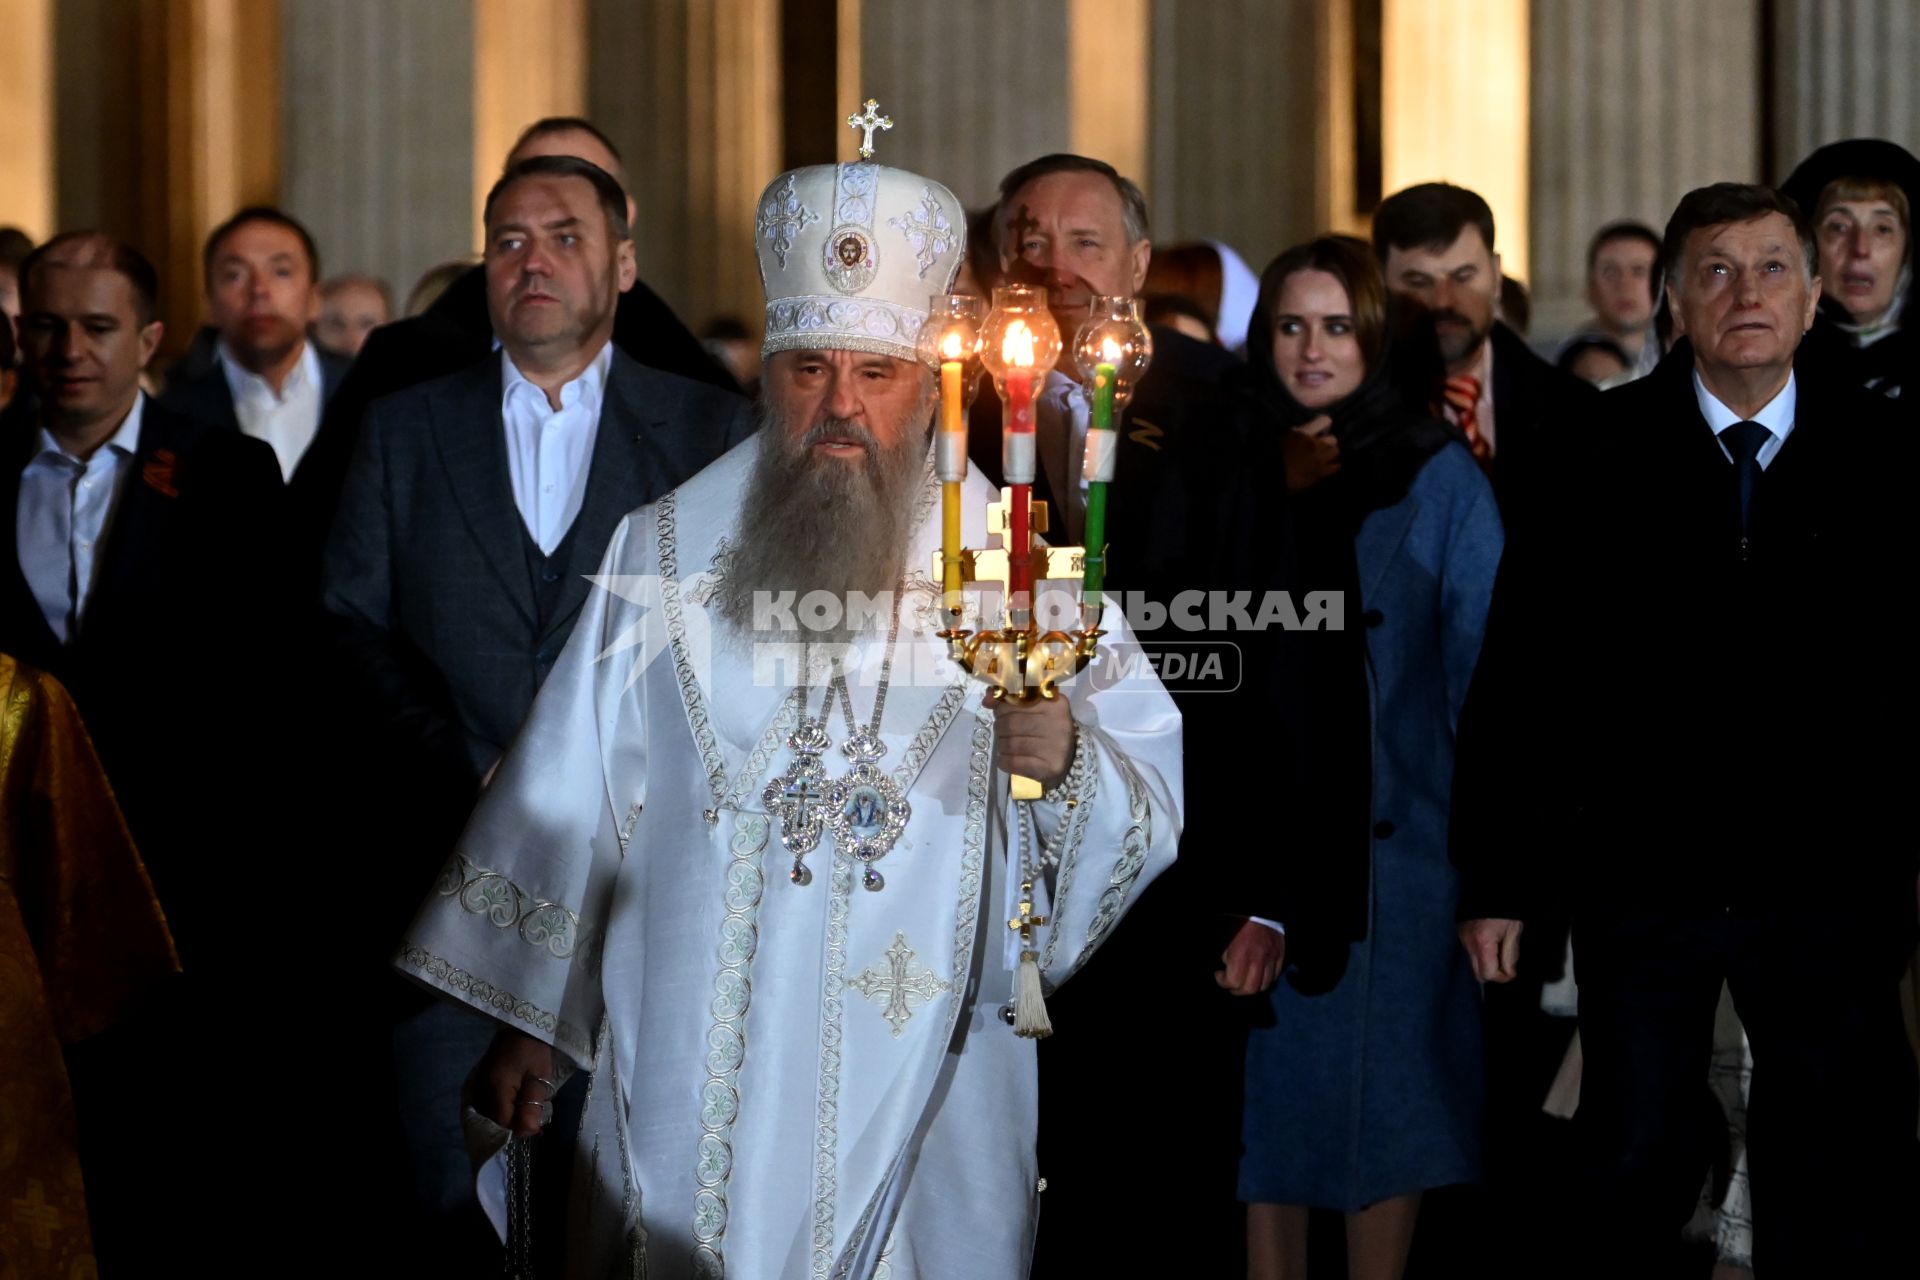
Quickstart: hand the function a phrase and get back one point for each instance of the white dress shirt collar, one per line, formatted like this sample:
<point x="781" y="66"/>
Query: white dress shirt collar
<point x="1776" y="415"/>
<point x="125" y="439"/>
<point x="249" y="386"/>
<point x="63" y="513"/>
<point x="287" y="419"/>
<point x="587" y="390"/>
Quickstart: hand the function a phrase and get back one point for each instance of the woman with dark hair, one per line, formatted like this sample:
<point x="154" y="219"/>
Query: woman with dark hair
<point x="1365" y="1090"/>
<point x="1859" y="197"/>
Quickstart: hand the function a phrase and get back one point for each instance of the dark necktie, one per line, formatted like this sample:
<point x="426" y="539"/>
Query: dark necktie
<point x="1743" y="441"/>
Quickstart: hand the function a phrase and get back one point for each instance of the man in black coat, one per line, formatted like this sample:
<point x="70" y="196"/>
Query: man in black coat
<point x="457" y="331"/>
<point x="266" y="378"/>
<point x="1679" y="725"/>
<point x="143" y="558"/>
<point x="475" y="509"/>
<point x="1436" y="248"/>
<point x="1154" y="996"/>
<point x="142" y="568"/>
<point x="1437" y="251"/>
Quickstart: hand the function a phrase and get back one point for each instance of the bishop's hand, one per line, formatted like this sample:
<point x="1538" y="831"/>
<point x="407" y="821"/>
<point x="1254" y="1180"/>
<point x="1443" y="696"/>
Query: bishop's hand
<point x="1033" y="739"/>
<point x="513" y="1085"/>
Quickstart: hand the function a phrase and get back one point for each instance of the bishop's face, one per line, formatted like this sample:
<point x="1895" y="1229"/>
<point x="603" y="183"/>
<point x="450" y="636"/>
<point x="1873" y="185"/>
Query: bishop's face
<point x="555" y="270"/>
<point x="1743" y="296"/>
<point x="1068" y="231"/>
<point x="846" y="408"/>
<point x="842" y="449"/>
<point x="1458" y="285"/>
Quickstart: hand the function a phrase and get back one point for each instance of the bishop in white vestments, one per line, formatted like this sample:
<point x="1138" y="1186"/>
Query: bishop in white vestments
<point x="765" y="903"/>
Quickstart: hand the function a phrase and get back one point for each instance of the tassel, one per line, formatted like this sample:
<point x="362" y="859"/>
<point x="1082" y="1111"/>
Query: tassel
<point x="1029" y="1002"/>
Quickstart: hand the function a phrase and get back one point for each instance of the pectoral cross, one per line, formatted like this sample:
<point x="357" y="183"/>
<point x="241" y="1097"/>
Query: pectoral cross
<point x="797" y="800"/>
<point x="1026" y="920"/>
<point x="867" y="121"/>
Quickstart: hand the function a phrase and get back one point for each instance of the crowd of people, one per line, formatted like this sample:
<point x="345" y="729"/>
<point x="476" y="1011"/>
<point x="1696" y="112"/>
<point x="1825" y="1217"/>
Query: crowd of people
<point x="1536" y="916"/>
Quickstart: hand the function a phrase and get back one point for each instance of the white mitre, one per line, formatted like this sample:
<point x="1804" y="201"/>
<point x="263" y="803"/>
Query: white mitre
<point x="850" y="254"/>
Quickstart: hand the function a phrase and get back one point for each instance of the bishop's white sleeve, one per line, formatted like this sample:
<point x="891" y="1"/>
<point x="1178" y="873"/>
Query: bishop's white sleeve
<point x="1125" y="828"/>
<point x="514" y="925"/>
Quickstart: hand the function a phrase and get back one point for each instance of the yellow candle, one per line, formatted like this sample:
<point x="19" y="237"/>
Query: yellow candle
<point x="951" y="463"/>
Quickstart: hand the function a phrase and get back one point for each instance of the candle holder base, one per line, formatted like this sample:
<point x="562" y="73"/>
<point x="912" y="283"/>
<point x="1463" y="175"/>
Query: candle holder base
<point x="1021" y="664"/>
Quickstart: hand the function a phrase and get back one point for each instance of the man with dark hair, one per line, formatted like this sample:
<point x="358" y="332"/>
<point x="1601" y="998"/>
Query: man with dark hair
<point x="1713" y="801"/>
<point x="1623" y="287"/>
<point x="456" y="331"/>
<point x="138" y="564"/>
<point x="476" y="507"/>
<point x="1436" y="247"/>
<point x="267" y="380"/>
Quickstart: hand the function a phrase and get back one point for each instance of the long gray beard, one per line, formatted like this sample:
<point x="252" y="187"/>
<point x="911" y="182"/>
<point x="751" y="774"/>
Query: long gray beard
<point x="812" y="524"/>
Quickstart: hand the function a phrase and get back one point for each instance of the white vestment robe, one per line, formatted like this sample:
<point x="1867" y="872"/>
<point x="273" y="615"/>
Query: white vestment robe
<point x="786" y="1080"/>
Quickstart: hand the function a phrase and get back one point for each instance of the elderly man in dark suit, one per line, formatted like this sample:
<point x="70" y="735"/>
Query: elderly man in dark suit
<point x="476" y="507"/>
<point x="1079" y="228"/>
<point x="1678" y="725"/>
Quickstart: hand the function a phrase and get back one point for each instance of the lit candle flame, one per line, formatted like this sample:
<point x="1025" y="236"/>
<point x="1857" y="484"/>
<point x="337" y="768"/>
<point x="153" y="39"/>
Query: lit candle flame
<point x="951" y="347"/>
<point x="1110" y="351"/>
<point x="1018" y="347"/>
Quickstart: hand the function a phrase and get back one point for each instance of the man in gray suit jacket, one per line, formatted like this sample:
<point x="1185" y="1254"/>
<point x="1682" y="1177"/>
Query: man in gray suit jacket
<point x="475" y="508"/>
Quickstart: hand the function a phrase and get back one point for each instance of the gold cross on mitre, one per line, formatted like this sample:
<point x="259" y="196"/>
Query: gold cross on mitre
<point x="867" y="121"/>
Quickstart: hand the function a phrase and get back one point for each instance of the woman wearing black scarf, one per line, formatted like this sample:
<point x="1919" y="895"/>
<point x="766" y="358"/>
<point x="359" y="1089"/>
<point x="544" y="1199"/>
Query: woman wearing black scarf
<point x="1860" y="196"/>
<point x="1366" y="1090"/>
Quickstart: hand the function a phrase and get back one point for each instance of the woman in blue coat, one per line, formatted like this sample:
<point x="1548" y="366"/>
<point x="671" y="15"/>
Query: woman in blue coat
<point x="1365" y="1090"/>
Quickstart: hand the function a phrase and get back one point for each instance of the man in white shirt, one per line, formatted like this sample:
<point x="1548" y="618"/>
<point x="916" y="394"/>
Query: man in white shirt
<point x="474" y="509"/>
<point x="267" y="379"/>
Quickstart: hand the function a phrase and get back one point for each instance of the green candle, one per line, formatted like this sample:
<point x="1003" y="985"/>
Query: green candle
<point x="1097" y="466"/>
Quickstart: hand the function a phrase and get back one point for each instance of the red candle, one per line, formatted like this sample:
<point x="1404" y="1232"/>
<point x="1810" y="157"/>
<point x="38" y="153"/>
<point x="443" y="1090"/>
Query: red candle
<point x="1017" y="459"/>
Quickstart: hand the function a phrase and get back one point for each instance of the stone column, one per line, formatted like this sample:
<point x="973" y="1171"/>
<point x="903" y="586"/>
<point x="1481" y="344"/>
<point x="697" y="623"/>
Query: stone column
<point x="164" y="123"/>
<point x="377" y="104"/>
<point x="974" y="90"/>
<point x="529" y="63"/>
<point x="1236" y="121"/>
<point x="1843" y="69"/>
<point x="690" y="92"/>
<point x="27" y="71"/>
<point x="1634" y="103"/>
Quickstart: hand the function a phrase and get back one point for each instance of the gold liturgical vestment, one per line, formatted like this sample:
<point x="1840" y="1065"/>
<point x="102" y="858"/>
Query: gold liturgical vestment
<point x="80" y="933"/>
